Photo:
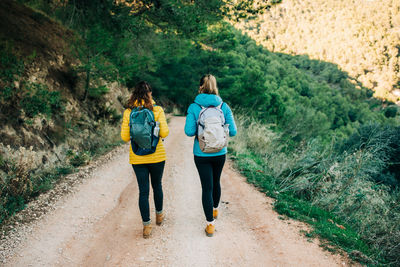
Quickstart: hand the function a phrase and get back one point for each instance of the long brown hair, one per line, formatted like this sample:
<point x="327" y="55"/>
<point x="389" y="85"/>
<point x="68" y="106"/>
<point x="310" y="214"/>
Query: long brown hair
<point x="140" y="96"/>
<point x="208" y="85"/>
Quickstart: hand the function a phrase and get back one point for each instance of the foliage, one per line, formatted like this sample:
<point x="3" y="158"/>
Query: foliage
<point x="304" y="98"/>
<point x="391" y="111"/>
<point x="39" y="100"/>
<point x="312" y="135"/>
<point x="97" y="92"/>
<point x="360" y="38"/>
<point x="10" y="65"/>
<point x="15" y="184"/>
<point x="237" y="9"/>
<point x="382" y="142"/>
<point x="348" y="190"/>
<point x="78" y="158"/>
<point x="33" y="98"/>
<point x="11" y="68"/>
<point x="24" y="177"/>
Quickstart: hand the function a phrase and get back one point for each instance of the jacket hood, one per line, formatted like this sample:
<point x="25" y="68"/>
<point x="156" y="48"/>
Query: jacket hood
<point x="207" y="100"/>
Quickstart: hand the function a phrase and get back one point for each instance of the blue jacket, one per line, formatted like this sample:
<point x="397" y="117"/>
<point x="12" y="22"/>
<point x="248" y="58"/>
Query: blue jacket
<point x="193" y="112"/>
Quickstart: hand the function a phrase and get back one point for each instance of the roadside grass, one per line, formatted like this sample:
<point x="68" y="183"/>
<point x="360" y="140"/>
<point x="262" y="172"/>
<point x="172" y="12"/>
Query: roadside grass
<point x="24" y="179"/>
<point x="333" y="231"/>
<point x="332" y="193"/>
<point x="46" y="180"/>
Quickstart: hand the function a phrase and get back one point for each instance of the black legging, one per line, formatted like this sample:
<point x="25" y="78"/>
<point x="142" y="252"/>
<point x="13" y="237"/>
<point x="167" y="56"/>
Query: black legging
<point x="142" y="172"/>
<point x="210" y="169"/>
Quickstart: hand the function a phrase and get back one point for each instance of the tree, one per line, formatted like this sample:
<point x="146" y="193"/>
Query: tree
<point x="92" y="51"/>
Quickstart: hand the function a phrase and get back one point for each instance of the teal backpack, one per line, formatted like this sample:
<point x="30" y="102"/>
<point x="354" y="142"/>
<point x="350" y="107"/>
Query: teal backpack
<point x="142" y="127"/>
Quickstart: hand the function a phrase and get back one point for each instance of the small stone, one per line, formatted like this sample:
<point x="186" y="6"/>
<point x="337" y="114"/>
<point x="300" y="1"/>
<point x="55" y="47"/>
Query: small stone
<point x="108" y="257"/>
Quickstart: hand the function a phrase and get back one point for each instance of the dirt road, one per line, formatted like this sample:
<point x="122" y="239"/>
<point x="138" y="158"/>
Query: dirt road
<point x="100" y="225"/>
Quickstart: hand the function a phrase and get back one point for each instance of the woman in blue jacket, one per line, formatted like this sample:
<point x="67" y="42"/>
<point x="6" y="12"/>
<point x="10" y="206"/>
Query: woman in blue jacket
<point x="209" y="165"/>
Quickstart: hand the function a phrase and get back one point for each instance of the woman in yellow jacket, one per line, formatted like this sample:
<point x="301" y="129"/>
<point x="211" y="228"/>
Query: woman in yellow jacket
<point x="152" y="164"/>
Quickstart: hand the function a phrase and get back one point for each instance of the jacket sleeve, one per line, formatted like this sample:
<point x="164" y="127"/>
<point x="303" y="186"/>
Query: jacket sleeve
<point x="230" y="120"/>
<point x="125" y="134"/>
<point x="164" y="130"/>
<point x="191" y="122"/>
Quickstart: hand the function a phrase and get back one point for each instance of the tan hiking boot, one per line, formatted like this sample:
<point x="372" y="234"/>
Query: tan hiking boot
<point x="147" y="230"/>
<point x="159" y="218"/>
<point x="210" y="229"/>
<point x="215" y="213"/>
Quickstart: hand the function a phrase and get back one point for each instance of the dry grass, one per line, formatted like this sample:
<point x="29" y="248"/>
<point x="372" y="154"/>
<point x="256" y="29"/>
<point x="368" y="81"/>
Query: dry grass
<point x="341" y="184"/>
<point x="26" y="173"/>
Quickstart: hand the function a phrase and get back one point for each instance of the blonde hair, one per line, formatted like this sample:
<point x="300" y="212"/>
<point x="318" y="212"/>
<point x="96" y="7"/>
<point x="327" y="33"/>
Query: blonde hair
<point x="208" y="85"/>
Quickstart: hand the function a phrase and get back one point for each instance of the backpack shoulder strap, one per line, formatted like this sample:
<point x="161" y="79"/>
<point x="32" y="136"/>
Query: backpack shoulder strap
<point x="222" y="112"/>
<point x="199" y="105"/>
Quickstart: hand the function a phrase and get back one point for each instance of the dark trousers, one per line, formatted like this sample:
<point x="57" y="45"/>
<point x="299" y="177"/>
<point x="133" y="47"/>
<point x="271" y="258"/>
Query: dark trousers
<point x="142" y="172"/>
<point x="210" y="169"/>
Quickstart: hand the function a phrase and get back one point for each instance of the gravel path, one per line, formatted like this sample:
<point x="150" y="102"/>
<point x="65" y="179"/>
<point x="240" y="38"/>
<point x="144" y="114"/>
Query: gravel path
<point x="97" y="223"/>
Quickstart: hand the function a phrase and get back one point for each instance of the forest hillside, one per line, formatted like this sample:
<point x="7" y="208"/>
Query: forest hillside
<point x="361" y="36"/>
<point x="42" y="86"/>
<point x="312" y="134"/>
<point x="49" y="123"/>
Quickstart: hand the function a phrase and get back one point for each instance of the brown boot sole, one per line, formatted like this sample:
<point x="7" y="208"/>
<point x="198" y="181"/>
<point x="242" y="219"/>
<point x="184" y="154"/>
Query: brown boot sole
<point x="208" y="234"/>
<point x="147" y="235"/>
<point x="159" y="223"/>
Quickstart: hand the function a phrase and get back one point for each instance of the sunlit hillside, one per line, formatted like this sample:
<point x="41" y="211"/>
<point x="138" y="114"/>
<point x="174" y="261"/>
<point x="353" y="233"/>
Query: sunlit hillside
<point x="361" y="36"/>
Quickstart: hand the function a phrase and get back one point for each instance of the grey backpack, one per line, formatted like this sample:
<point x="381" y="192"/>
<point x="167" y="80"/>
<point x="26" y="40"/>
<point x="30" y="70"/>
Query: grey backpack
<point x="212" y="132"/>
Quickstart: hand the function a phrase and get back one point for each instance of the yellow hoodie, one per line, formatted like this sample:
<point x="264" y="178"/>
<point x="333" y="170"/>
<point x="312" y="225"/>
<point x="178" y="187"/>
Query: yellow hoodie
<point x="157" y="156"/>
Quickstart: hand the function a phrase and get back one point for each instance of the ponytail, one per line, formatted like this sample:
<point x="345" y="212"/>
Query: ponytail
<point x="208" y="85"/>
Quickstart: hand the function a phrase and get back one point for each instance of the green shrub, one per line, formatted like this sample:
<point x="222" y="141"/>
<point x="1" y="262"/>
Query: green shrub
<point x="15" y="183"/>
<point x="114" y="117"/>
<point x="97" y="92"/>
<point x="391" y="111"/>
<point x="350" y="183"/>
<point x="382" y="142"/>
<point x="78" y="158"/>
<point x="45" y="179"/>
<point x="7" y="94"/>
<point x="10" y="65"/>
<point x="38" y="100"/>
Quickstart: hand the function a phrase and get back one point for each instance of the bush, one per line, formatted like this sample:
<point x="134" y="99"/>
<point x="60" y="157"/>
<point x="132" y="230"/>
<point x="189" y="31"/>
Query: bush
<point x="38" y="100"/>
<point x="382" y="142"/>
<point x="391" y="111"/>
<point x="16" y="184"/>
<point x="10" y="65"/>
<point x="97" y="92"/>
<point x="351" y="181"/>
<point x="78" y="158"/>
